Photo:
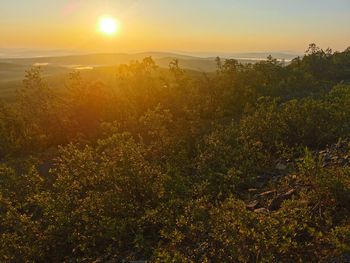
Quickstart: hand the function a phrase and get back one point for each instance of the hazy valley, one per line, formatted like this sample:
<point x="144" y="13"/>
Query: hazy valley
<point x="14" y="63"/>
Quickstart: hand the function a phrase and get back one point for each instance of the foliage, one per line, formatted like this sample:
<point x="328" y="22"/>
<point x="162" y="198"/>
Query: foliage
<point x="163" y="165"/>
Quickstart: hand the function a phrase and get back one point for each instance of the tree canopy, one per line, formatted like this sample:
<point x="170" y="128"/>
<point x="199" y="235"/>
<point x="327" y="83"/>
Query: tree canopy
<point x="247" y="164"/>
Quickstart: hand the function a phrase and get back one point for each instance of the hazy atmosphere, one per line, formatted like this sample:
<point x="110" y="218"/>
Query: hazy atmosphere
<point x="166" y="25"/>
<point x="175" y="131"/>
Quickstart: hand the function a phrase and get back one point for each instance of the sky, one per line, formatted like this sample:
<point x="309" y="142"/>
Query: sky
<point x="176" y="25"/>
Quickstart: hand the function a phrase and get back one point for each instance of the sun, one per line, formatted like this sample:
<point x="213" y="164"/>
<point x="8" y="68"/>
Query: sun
<point x="108" y="25"/>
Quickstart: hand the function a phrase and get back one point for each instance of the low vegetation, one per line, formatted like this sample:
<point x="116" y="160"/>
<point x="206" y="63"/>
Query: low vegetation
<point x="247" y="164"/>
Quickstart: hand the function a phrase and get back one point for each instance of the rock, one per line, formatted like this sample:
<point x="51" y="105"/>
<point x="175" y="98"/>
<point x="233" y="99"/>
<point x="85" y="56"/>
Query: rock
<point x="253" y="205"/>
<point x="327" y="158"/>
<point x="267" y="193"/>
<point x="325" y="165"/>
<point x="343" y="162"/>
<point x="344" y="258"/>
<point x="281" y="166"/>
<point x="261" y="210"/>
<point x="277" y="201"/>
<point x="336" y="154"/>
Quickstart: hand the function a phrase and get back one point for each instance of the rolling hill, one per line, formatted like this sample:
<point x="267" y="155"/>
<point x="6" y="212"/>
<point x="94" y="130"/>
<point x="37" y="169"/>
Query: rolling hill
<point x="12" y="69"/>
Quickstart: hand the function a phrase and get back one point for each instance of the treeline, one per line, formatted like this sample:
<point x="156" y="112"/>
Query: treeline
<point x="247" y="164"/>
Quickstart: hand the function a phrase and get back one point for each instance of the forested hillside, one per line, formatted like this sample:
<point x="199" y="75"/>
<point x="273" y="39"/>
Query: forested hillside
<point x="247" y="164"/>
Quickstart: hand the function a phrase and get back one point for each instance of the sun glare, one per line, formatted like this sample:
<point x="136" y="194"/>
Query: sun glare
<point x="108" y="25"/>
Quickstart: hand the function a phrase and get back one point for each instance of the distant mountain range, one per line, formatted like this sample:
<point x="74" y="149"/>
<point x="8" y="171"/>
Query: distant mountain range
<point x="59" y="58"/>
<point x="31" y="53"/>
<point x="56" y="64"/>
<point x="28" y="53"/>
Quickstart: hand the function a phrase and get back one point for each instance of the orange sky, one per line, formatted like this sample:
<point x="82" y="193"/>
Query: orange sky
<point x="164" y="25"/>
